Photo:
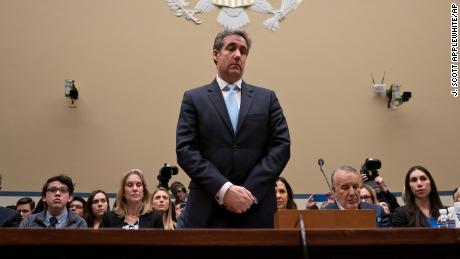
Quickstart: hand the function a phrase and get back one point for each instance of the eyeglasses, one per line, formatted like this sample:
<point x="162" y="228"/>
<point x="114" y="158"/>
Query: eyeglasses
<point x="80" y="207"/>
<point x="62" y="190"/>
<point x="365" y="197"/>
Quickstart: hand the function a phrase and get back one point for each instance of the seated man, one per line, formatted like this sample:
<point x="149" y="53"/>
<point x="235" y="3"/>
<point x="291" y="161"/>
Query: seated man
<point x="78" y="206"/>
<point x="56" y="193"/>
<point x="25" y="206"/>
<point x="346" y="183"/>
<point x="9" y="218"/>
<point x="179" y="192"/>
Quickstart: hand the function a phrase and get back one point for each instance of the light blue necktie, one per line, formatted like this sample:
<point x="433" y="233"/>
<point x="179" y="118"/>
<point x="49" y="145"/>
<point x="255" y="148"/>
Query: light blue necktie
<point x="232" y="105"/>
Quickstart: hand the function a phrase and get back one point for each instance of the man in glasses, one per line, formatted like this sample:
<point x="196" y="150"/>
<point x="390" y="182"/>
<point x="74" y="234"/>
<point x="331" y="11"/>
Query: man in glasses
<point x="78" y="205"/>
<point x="56" y="193"/>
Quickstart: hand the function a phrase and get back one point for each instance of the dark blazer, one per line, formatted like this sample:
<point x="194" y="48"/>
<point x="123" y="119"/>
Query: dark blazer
<point x="9" y="218"/>
<point x="212" y="153"/>
<point x="381" y="218"/>
<point x="406" y="217"/>
<point x="147" y="220"/>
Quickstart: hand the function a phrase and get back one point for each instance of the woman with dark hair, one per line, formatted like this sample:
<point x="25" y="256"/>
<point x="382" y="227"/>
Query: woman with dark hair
<point x="96" y="206"/>
<point x="284" y="195"/>
<point x="422" y="200"/>
<point x="132" y="209"/>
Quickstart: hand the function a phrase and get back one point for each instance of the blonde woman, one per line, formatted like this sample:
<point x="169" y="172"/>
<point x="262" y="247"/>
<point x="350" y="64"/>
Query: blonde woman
<point x="456" y="195"/>
<point x="161" y="204"/>
<point x="368" y="195"/>
<point x="132" y="209"/>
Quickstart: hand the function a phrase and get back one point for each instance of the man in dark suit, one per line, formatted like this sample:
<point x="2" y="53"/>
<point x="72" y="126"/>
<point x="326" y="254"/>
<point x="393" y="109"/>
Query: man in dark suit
<point x="9" y="218"/>
<point x="346" y="184"/>
<point x="233" y="141"/>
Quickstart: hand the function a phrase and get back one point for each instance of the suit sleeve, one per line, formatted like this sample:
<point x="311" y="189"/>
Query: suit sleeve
<point x="399" y="218"/>
<point x="263" y="175"/>
<point x="189" y="157"/>
<point x="13" y="222"/>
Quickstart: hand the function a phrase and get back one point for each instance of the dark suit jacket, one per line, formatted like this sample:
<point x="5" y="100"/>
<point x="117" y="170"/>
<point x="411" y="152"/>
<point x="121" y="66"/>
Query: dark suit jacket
<point x="9" y="218"/>
<point x="148" y="220"/>
<point x="211" y="153"/>
<point x="381" y="218"/>
<point x="407" y="217"/>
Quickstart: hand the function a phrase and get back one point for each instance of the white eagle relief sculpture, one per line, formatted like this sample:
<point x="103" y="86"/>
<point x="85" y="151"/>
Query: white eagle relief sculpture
<point x="232" y="14"/>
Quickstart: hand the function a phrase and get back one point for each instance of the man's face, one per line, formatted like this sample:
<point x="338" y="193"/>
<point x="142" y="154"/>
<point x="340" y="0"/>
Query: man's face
<point x="77" y="208"/>
<point x="56" y="198"/>
<point x="24" y="209"/>
<point x="346" y="189"/>
<point x="179" y="194"/>
<point x="231" y="58"/>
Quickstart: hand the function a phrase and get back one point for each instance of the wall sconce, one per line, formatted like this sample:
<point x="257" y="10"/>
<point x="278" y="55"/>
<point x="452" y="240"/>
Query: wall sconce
<point x="70" y="91"/>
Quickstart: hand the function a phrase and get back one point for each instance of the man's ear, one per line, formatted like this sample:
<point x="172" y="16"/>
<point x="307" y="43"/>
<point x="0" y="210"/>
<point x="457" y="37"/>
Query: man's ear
<point x="215" y="54"/>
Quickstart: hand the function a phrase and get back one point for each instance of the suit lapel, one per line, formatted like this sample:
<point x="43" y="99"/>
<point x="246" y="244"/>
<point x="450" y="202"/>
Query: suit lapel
<point x="247" y="97"/>
<point x="218" y="101"/>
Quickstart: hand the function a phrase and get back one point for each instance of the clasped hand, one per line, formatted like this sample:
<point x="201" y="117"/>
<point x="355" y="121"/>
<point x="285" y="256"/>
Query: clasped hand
<point x="238" y="199"/>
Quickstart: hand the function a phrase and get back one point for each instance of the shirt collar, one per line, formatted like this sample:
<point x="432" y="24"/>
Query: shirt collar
<point x="60" y="218"/>
<point x="223" y="84"/>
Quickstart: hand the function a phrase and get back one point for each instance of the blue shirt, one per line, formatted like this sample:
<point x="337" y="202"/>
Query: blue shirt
<point x="433" y="222"/>
<point x="61" y="218"/>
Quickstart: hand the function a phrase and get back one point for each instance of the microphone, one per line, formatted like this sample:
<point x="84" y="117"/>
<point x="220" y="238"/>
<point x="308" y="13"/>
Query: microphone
<point x="321" y="163"/>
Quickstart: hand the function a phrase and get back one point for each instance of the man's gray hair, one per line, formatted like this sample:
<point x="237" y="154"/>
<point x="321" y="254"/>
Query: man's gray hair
<point x="345" y="168"/>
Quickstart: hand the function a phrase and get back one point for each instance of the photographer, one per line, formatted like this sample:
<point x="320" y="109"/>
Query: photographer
<point x="165" y="175"/>
<point x="371" y="176"/>
<point x="179" y="192"/>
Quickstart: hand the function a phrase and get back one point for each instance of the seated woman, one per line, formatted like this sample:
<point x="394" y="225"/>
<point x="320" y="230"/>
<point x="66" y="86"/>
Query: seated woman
<point x="456" y="195"/>
<point x="284" y="195"/>
<point x="422" y="201"/>
<point x="132" y="209"/>
<point x="162" y="205"/>
<point x="96" y="206"/>
<point x="368" y="194"/>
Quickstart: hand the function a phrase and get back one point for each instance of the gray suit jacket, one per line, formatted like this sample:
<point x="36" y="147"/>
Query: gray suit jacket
<point x="38" y="220"/>
<point x="212" y="153"/>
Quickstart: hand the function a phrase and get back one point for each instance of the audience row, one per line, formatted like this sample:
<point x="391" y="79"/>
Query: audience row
<point x="421" y="197"/>
<point x="136" y="208"/>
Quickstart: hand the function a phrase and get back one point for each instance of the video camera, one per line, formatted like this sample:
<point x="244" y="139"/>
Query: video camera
<point x="370" y="168"/>
<point x="165" y="175"/>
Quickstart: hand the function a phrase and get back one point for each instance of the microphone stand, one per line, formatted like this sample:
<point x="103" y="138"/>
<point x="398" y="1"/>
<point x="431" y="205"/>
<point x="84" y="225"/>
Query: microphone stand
<point x="321" y="163"/>
<point x="303" y="235"/>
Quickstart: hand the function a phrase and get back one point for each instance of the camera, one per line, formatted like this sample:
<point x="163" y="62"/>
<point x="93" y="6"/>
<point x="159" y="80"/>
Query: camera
<point x="370" y="168"/>
<point x="165" y="175"/>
